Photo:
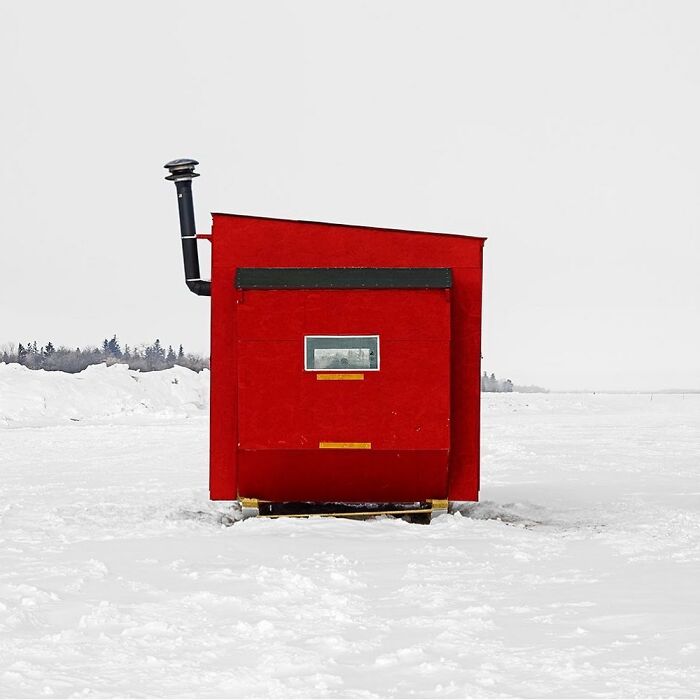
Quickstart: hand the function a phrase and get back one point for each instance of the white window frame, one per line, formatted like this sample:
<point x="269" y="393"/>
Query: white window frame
<point x="335" y="371"/>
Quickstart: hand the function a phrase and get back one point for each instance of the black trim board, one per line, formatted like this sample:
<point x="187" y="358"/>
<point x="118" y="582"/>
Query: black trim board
<point x="343" y="278"/>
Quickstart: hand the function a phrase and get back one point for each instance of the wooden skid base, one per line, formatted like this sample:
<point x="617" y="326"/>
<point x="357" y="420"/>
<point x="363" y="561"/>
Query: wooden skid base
<point x="428" y="509"/>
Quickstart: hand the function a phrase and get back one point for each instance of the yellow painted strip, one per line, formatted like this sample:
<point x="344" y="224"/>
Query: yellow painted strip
<point x="345" y="445"/>
<point x="346" y="377"/>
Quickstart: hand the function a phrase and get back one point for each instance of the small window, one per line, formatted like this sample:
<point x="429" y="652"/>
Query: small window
<point x="341" y="353"/>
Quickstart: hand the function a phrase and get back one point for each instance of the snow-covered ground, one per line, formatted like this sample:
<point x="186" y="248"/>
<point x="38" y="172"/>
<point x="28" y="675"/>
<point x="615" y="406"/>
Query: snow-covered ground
<point x="577" y="575"/>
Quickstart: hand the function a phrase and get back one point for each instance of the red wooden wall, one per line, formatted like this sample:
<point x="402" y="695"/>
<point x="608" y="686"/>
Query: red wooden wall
<point x="242" y="241"/>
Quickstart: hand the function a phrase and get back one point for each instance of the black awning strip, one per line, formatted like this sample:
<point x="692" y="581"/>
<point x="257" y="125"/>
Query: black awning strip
<point x="343" y="278"/>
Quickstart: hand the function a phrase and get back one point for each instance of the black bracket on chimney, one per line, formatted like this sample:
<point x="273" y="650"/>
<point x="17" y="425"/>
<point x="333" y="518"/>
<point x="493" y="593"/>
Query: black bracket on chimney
<point x="182" y="173"/>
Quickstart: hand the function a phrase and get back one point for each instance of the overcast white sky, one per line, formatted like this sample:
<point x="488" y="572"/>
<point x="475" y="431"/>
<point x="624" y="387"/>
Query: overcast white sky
<point x="568" y="133"/>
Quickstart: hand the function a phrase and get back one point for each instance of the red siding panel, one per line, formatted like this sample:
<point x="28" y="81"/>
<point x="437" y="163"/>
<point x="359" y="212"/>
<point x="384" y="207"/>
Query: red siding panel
<point x="407" y="468"/>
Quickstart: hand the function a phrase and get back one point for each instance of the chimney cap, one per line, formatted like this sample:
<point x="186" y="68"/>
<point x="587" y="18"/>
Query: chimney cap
<point x="181" y="169"/>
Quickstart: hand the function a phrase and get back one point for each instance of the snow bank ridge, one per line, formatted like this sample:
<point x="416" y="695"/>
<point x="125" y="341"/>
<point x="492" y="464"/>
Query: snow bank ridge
<point x="36" y="397"/>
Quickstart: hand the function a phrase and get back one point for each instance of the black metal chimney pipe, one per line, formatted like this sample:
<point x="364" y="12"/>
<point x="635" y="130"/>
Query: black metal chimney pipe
<point x="182" y="173"/>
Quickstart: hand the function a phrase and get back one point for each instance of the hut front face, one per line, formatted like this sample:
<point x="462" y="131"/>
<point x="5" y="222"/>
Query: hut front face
<point x="345" y="363"/>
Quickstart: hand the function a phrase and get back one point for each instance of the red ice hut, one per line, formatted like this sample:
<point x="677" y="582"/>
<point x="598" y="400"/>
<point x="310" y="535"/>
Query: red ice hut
<point x="345" y="363"/>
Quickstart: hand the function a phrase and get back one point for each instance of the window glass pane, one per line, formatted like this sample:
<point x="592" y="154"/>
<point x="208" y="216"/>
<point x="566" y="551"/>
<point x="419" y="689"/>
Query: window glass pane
<point x="341" y="352"/>
<point x="341" y="358"/>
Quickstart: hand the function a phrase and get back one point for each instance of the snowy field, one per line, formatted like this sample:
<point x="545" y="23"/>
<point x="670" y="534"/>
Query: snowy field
<point x="577" y="575"/>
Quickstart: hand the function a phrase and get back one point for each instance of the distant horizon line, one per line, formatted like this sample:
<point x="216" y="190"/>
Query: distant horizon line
<point x="623" y="391"/>
<point x="534" y="390"/>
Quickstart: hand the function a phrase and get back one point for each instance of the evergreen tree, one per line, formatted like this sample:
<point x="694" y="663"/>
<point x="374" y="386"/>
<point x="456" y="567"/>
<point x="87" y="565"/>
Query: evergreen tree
<point x="113" y="347"/>
<point x="170" y="357"/>
<point x="180" y="353"/>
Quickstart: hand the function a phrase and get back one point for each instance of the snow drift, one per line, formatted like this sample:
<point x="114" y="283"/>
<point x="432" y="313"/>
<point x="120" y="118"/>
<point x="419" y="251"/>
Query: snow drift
<point x="36" y="397"/>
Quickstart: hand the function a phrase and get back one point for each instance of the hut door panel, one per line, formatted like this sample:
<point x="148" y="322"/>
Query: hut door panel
<point x="354" y="369"/>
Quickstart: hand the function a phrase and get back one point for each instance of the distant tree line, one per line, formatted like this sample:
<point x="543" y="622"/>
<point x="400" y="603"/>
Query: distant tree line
<point x="490" y="383"/>
<point x="146" y="358"/>
<point x="155" y="356"/>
